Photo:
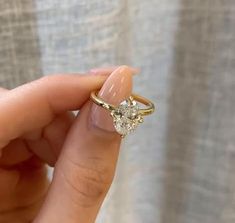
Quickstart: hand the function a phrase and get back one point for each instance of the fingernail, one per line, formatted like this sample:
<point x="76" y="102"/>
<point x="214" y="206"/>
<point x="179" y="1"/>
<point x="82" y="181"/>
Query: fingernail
<point x="109" y="70"/>
<point x="116" y="88"/>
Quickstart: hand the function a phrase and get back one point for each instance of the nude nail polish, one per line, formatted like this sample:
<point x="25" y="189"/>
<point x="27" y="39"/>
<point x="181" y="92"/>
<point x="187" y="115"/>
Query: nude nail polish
<point x="116" y="89"/>
<point x="108" y="70"/>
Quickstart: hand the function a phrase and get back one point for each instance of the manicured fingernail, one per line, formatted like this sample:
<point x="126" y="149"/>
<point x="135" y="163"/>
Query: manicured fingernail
<point x="116" y="88"/>
<point x="109" y="70"/>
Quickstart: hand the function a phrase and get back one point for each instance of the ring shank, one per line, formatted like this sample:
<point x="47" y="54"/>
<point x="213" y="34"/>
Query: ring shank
<point x="144" y="111"/>
<point x="150" y="106"/>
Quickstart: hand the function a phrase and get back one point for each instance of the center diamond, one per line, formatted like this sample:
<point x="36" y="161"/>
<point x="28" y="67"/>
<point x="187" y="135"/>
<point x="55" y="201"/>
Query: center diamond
<point x="126" y="117"/>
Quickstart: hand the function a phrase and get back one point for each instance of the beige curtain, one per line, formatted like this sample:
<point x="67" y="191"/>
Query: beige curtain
<point x="179" y="167"/>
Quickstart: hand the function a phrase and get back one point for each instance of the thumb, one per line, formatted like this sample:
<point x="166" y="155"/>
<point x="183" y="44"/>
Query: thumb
<point x="85" y="169"/>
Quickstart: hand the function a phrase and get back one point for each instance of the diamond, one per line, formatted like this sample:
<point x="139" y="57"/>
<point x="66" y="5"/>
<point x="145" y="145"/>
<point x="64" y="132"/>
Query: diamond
<point x="126" y="117"/>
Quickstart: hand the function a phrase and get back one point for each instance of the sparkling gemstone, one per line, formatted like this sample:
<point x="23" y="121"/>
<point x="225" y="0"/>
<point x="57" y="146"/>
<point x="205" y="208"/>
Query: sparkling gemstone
<point x="126" y="117"/>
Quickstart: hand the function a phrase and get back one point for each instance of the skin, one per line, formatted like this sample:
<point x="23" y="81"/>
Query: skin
<point x="37" y="127"/>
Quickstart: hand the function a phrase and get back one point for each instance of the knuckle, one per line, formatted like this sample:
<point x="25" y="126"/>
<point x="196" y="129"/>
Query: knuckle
<point x="89" y="183"/>
<point x="49" y="80"/>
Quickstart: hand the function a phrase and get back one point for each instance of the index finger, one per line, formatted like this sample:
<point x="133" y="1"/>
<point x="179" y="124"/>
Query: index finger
<point x="33" y="105"/>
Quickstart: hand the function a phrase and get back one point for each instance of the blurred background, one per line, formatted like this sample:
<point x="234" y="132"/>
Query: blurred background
<point x="179" y="166"/>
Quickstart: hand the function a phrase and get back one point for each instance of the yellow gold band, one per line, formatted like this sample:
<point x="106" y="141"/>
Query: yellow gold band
<point x="143" y="111"/>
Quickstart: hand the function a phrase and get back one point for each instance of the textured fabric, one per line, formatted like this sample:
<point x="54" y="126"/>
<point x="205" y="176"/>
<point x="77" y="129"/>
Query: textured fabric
<point x="179" y="166"/>
<point x="19" y="49"/>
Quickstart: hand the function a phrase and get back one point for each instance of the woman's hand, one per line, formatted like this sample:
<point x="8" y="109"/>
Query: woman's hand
<point x="38" y="127"/>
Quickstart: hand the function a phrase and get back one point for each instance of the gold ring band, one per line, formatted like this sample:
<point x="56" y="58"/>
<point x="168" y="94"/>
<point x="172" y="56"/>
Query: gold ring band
<point x="143" y="111"/>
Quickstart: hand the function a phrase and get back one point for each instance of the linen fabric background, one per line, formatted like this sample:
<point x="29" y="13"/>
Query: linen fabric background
<point x="179" y="166"/>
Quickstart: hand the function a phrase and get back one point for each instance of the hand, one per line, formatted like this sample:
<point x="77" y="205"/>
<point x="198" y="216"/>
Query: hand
<point x="38" y="127"/>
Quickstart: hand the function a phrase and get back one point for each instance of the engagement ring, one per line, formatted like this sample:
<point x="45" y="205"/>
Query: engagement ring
<point x="127" y="115"/>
